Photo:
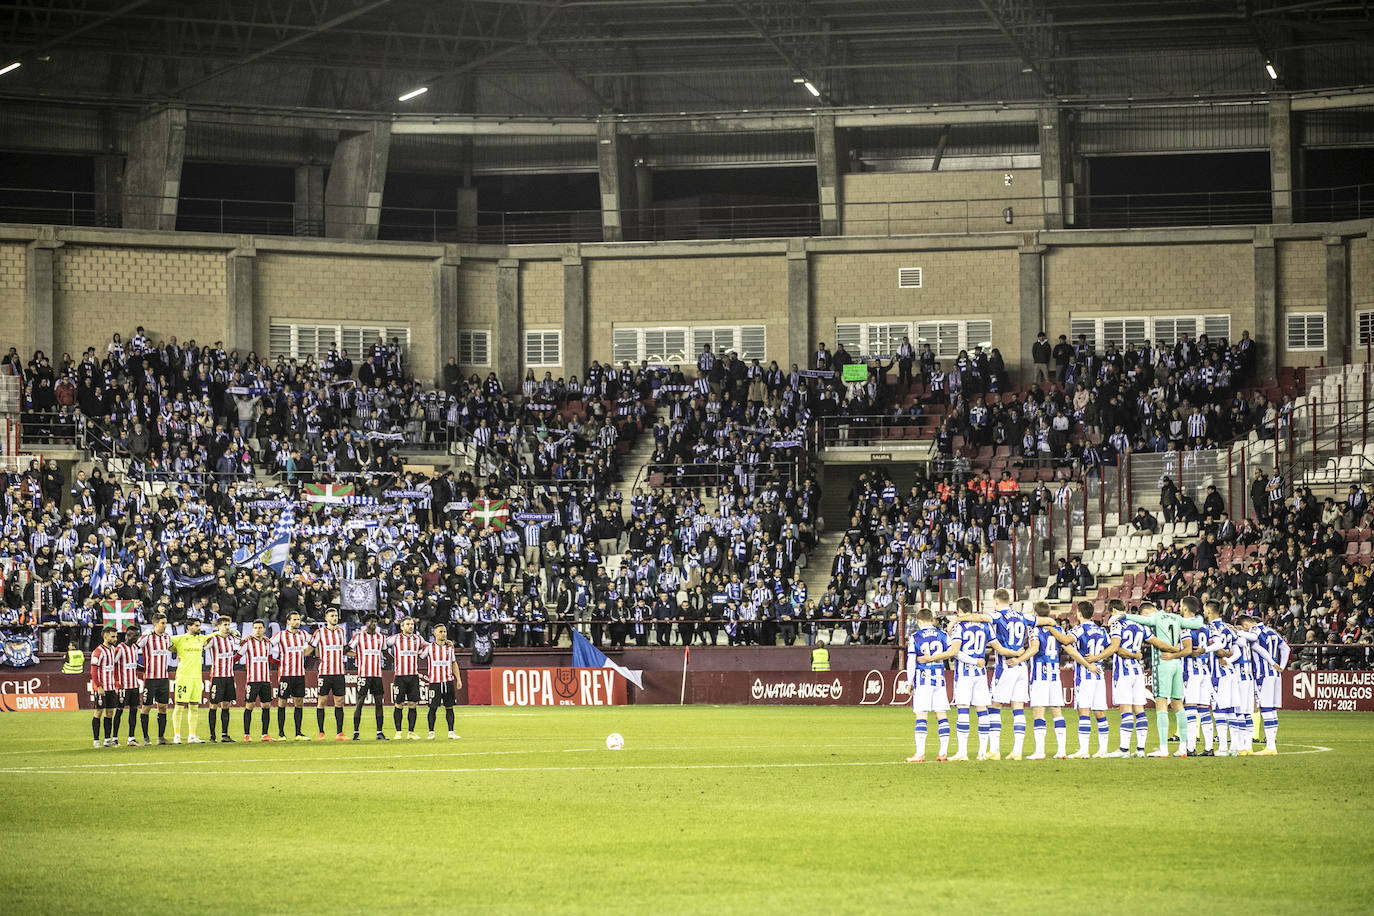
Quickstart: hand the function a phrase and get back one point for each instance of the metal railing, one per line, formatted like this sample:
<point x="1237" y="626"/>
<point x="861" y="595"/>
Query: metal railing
<point x="690" y="221"/>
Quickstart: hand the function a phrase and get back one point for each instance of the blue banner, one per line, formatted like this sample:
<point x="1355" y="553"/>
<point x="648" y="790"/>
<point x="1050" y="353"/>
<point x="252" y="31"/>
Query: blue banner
<point x="406" y="494"/>
<point x="533" y="516"/>
<point x="816" y="373"/>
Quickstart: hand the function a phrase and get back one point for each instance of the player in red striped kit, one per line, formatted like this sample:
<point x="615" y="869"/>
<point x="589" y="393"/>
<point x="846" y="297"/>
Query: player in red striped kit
<point x="256" y="654"/>
<point x="292" y="645"/>
<point x="367" y="648"/>
<point x="329" y="643"/>
<point x="156" y="648"/>
<point x="223" y="650"/>
<point x="105" y="686"/>
<point x="128" y="683"/>
<point x="444" y="678"/>
<point x="406" y="647"/>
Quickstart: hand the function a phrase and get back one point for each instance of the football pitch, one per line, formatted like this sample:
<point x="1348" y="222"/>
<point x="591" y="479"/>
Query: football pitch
<point x="706" y="810"/>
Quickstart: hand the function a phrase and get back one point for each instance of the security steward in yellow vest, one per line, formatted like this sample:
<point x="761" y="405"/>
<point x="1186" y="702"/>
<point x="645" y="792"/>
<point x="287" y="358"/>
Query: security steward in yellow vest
<point x="820" y="657"/>
<point x="75" y="661"/>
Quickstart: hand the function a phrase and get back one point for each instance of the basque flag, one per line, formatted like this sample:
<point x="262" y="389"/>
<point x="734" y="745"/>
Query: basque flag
<point x="586" y="655"/>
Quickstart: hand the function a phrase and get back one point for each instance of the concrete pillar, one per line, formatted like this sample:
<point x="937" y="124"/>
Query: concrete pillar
<point x="830" y="161"/>
<point x="353" y="194"/>
<point x="507" y="353"/>
<point x="1031" y="277"/>
<point x="575" y="354"/>
<point x="467" y="215"/>
<point x="615" y="169"/>
<point x="239" y="317"/>
<point x="798" y="304"/>
<point x="445" y="318"/>
<point x="308" y="211"/>
<point x="1281" y="159"/>
<point x="109" y="191"/>
<point x="1266" y="330"/>
<point x="644" y="202"/>
<point x="38" y="296"/>
<point x="1053" y="165"/>
<point x="1338" y="338"/>
<point x="152" y="175"/>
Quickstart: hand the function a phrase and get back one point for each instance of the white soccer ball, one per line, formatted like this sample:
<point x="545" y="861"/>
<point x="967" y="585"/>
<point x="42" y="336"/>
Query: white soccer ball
<point x="614" y="741"/>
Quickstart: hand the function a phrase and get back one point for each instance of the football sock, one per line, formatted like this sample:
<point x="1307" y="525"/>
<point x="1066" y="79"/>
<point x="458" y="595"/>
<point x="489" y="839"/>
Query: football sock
<point x="1162" y="726"/>
<point x="300" y="715"/>
<point x="106" y="723"/>
<point x="190" y="722"/>
<point x="1206" y="726"/>
<point x="1271" y="727"/>
<point x="921" y="735"/>
<point x="1190" y="737"/>
<point x="411" y="714"/>
<point x="448" y="714"/>
<point x="1104" y="734"/>
<point x="1018" y="730"/>
<point x="984" y="734"/>
<point x="118" y="718"/>
<point x="214" y="719"/>
<point x="1223" y="728"/>
<point x="1085" y="732"/>
<point x="133" y="721"/>
<point x="95" y="728"/>
<point x="1184" y="720"/>
<point x="281" y="722"/>
<point x="380" y="714"/>
<point x="944" y="736"/>
<point x="1038" y="727"/>
<point x="994" y="717"/>
<point x="224" y="723"/>
<point x="1142" y="730"/>
<point x="338" y="719"/>
<point x="176" y="721"/>
<point x="357" y="716"/>
<point x="319" y="718"/>
<point x="248" y="720"/>
<point x="433" y="711"/>
<point x="1123" y="738"/>
<point x="961" y="732"/>
<point x="161" y="725"/>
<point x="1061" y="734"/>
<point x="143" y="720"/>
<point x="266" y="720"/>
<point x="396" y="717"/>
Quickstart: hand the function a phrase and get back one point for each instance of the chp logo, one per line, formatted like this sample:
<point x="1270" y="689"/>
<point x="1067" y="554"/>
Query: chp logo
<point x="873" y="688"/>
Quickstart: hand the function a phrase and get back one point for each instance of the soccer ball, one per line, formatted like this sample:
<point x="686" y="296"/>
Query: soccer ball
<point x="614" y="742"/>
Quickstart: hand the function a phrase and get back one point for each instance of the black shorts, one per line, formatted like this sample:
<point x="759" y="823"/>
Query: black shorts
<point x="108" y="699"/>
<point x="258" y="692"/>
<point x="331" y="684"/>
<point x="223" y="690"/>
<point x="441" y="693"/>
<point x="155" y="692"/>
<point x="129" y="697"/>
<point x="371" y="687"/>
<point x="407" y="687"/>
<point x="292" y="687"/>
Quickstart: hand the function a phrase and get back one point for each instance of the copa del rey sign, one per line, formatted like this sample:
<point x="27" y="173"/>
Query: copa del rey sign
<point x="556" y="687"/>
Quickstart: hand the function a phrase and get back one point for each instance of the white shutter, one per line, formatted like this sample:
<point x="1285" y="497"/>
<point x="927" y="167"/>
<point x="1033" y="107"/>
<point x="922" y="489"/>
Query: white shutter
<point x="1364" y="328"/>
<point x="624" y="346"/>
<point x="849" y="336"/>
<point x="1217" y="327"/>
<point x="473" y="347"/>
<point x="542" y="348"/>
<point x="402" y="335"/>
<point x="1085" y="327"/>
<point x="752" y="340"/>
<point x="908" y="278"/>
<point x="280" y="341"/>
<point x="977" y="334"/>
<point x="1307" y="331"/>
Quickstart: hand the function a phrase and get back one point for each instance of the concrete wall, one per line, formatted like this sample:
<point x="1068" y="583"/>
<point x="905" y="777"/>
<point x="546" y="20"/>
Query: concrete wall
<point x="919" y="203"/>
<point x="477" y="302"/>
<point x="347" y="290"/>
<point x="15" y="321"/>
<point x="541" y="308"/>
<point x="1361" y="274"/>
<point x="649" y="292"/>
<point x="1301" y="269"/>
<point x="102" y="290"/>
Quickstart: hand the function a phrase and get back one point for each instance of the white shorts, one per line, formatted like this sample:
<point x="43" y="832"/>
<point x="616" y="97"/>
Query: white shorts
<point x="1227" y="692"/>
<point x="1091" y="693"/>
<point x="1012" y="686"/>
<point x="1270" y="692"/>
<point x="929" y="698"/>
<point x="1046" y="693"/>
<point x="1197" y="690"/>
<point x="1129" y="690"/>
<point x="971" y="690"/>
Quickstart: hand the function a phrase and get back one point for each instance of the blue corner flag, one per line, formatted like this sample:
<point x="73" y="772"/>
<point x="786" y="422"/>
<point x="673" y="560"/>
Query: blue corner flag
<point x="586" y="655"/>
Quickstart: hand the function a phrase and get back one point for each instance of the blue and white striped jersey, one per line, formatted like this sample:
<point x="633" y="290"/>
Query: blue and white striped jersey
<point x="1199" y="666"/>
<point x="974" y="638"/>
<point x="926" y="641"/>
<point x="1089" y="639"/>
<point x="1274" y="644"/>
<point x="1013" y="630"/>
<point x="1219" y="634"/>
<point x="1132" y="636"/>
<point x="1045" y="662"/>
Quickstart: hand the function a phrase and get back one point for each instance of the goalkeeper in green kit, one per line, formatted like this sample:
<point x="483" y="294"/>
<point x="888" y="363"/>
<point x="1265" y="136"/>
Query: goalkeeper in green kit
<point x="1166" y="667"/>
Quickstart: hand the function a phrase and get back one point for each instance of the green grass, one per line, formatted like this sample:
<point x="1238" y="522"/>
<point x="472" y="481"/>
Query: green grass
<point x="708" y="809"/>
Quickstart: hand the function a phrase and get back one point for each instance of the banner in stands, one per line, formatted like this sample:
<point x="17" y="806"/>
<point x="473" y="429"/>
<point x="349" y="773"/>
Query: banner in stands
<point x="557" y="687"/>
<point x="1342" y="691"/>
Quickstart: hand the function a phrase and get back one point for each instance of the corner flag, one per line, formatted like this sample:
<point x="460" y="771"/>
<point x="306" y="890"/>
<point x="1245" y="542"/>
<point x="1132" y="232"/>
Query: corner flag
<point x="586" y="655"/>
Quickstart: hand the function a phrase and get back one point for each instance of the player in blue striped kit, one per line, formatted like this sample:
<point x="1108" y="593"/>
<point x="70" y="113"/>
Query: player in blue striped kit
<point x="1046" y="688"/>
<point x="927" y="650"/>
<point x="1089" y="684"/>
<point x="1128" y="642"/>
<point x="1015" y="642"/>
<point x="1221" y="649"/>
<point x="1197" y="683"/>
<point x="970" y="640"/>
<point x="1271" y="653"/>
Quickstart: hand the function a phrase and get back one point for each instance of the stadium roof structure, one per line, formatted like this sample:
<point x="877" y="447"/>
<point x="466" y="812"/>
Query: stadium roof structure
<point x="584" y="58"/>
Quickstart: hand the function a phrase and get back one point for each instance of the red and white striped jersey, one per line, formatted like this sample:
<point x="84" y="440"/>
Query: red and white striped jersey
<point x="441" y="659"/>
<point x="406" y="650"/>
<point x="290" y="646"/>
<point x="157" y="652"/>
<point x="224" y="651"/>
<point x="368" y="647"/>
<point x="128" y="666"/>
<point x="330" y="646"/>
<point x="105" y="668"/>
<point x="256" y="653"/>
